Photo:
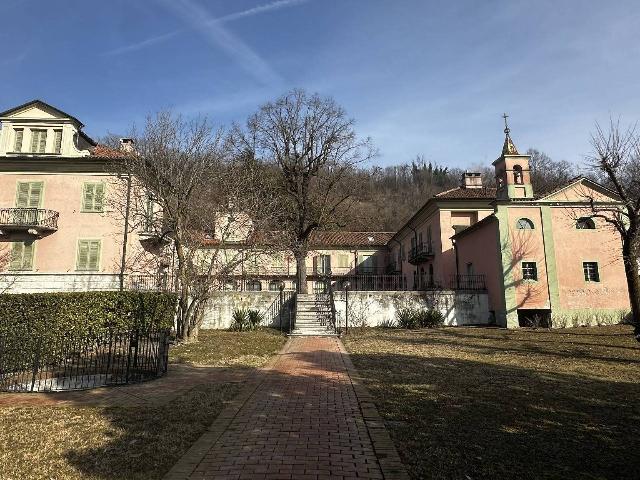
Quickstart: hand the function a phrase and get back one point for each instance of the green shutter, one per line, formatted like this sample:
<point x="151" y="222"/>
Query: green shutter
<point x="94" y="254"/>
<point x="16" y="256"/>
<point x="29" y="194"/>
<point x="17" y="147"/>
<point x="43" y="141"/>
<point x="22" y="196"/>
<point x="93" y="197"/>
<point x="35" y="194"/>
<point x="34" y="141"/>
<point x="57" y="143"/>
<point x="21" y="256"/>
<point x="88" y="254"/>
<point x="27" y="256"/>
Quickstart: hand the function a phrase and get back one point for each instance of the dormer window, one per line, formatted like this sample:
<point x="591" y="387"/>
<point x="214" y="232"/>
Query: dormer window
<point x="18" y="135"/>
<point x="57" y="141"/>
<point x="517" y="175"/>
<point x="38" y="141"/>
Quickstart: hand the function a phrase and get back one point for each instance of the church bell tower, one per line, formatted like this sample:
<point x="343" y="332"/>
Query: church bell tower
<point x="513" y="178"/>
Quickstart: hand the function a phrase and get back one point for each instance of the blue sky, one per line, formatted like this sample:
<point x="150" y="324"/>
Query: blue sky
<point x="419" y="77"/>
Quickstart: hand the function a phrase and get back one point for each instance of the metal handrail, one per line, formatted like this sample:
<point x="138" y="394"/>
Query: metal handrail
<point x="421" y="248"/>
<point x="467" y="282"/>
<point x="29" y="217"/>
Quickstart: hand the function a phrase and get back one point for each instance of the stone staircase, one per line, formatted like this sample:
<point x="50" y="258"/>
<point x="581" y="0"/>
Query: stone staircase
<point x="312" y="316"/>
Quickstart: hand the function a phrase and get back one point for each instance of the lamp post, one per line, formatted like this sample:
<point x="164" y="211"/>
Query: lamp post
<point x="280" y="305"/>
<point x="347" y="286"/>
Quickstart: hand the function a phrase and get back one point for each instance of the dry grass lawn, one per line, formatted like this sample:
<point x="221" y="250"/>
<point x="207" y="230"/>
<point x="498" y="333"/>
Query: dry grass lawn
<point x="141" y="443"/>
<point x="221" y="348"/>
<point x="480" y="403"/>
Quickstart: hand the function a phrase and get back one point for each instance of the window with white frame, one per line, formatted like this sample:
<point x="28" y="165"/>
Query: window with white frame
<point x="57" y="141"/>
<point x="524" y="224"/>
<point x="529" y="271"/>
<point x="591" y="273"/>
<point x="18" y="137"/>
<point x="38" y="140"/>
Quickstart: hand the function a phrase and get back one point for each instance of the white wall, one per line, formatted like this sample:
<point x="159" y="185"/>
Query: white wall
<point x="379" y="308"/>
<point x="219" y="309"/>
<point x="57" y="282"/>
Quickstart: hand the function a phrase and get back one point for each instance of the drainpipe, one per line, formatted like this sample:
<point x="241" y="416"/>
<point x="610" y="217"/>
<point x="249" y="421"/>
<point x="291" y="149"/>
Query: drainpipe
<point x="455" y="250"/>
<point x="415" y="236"/>
<point x="125" y="236"/>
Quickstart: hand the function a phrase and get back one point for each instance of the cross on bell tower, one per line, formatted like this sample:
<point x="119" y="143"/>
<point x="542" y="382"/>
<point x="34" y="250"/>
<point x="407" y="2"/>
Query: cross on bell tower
<point x="512" y="169"/>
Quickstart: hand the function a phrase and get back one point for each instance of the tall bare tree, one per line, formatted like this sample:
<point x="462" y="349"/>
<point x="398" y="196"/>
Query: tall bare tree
<point x="314" y="147"/>
<point x="616" y="158"/>
<point x="198" y="196"/>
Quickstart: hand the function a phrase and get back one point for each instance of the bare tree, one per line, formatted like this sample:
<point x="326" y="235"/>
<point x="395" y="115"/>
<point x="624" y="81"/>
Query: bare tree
<point x="195" y="197"/>
<point x="313" y="146"/>
<point x="548" y="174"/>
<point x="616" y="157"/>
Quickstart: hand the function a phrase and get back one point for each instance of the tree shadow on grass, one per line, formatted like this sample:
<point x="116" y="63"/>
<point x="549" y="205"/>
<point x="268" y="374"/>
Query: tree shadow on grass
<point x="449" y="418"/>
<point x="453" y="419"/>
<point x="145" y="441"/>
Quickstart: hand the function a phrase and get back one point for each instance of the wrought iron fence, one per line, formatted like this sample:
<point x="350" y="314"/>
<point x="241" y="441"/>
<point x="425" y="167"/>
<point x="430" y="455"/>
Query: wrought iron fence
<point x="372" y="282"/>
<point x="145" y="282"/>
<point x="467" y="282"/>
<point x="111" y="357"/>
<point x="29" y="217"/>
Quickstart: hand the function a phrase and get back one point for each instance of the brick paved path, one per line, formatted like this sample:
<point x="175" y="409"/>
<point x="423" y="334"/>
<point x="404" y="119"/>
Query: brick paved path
<point x="304" y="419"/>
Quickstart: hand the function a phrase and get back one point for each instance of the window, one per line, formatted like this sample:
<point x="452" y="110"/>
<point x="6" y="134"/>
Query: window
<point x="585" y="223"/>
<point x="38" y="141"/>
<point x="344" y="260"/>
<point x="254" y="286"/>
<point x="274" y="286"/>
<point x="517" y="175"/>
<point x="29" y="194"/>
<point x="529" y="271"/>
<point x="429" y="237"/>
<point x="93" y="197"/>
<point x="524" y="224"/>
<point x="366" y="264"/>
<point x="591" y="273"/>
<point x="431" y="279"/>
<point x="17" y="144"/>
<point x="470" y="269"/>
<point x="21" y="256"/>
<point x="88" y="255"/>
<point x="57" y="141"/>
<point x="322" y="264"/>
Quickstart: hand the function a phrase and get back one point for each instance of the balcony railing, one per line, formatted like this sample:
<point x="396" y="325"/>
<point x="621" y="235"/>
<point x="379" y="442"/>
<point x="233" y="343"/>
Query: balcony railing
<point x="39" y="219"/>
<point x="467" y="282"/>
<point x="371" y="282"/>
<point x="420" y="253"/>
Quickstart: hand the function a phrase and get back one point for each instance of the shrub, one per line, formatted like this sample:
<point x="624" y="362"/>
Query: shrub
<point x="240" y="320"/>
<point x="411" y="318"/>
<point x="254" y="319"/>
<point x="41" y="322"/>
<point x="430" y="318"/>
<point x="407" y="318"/>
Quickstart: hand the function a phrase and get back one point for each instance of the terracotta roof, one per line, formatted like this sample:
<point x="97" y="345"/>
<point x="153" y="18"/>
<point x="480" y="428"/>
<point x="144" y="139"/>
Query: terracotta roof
<point x="105" y="152"/>
<point x="349" y="239"/>
<point x="465" y="193"/>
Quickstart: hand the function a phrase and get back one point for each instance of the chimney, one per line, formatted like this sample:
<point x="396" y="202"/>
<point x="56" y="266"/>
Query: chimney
<point x="471" y="180"/>
<point x="126" y="145"/>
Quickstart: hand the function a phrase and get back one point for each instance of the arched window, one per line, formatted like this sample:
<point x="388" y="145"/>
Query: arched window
<point x="517" y="175"/>
<point x="254" y="286"/>
<point x="524" y="224"/>
<point x="585" y="223"/>
<point x="274" y="286"/>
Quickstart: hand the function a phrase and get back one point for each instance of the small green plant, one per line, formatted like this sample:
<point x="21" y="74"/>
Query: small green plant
<point x="240" y="320"/>
<point x="431" y="318"/>
<point x="411" y="318"/>
<point x="254" y="319"/>
<point x="406" y="318"/>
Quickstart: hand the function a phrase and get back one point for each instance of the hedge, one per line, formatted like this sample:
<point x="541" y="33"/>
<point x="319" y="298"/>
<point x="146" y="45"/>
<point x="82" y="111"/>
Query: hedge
<point x="87" y="310"/>
<point x="46" y="325"/>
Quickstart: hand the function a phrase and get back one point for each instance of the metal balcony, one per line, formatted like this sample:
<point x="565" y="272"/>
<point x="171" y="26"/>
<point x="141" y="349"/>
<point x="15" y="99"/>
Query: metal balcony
<point x="34" y="221"/>
<point x="420" y="253"/>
